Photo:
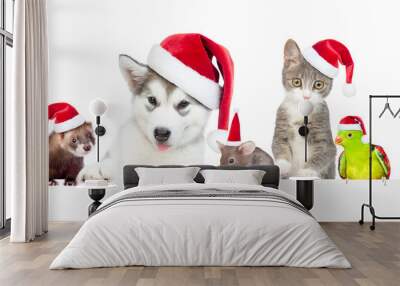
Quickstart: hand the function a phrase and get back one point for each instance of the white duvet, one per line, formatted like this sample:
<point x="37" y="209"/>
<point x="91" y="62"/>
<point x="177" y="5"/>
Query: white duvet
<point x="200" y="231"/>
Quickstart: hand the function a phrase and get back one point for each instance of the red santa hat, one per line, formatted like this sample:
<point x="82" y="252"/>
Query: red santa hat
<point x="352" y="122"/>
<point x="186" y="61"/>
<point x="65" y="116"/>
<point x="326" y="55"/>
<point x="234" y="138"/>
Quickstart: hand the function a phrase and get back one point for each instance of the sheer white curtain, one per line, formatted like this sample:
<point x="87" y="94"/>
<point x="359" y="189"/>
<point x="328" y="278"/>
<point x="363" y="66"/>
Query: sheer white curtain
<point x="28" y="148"/>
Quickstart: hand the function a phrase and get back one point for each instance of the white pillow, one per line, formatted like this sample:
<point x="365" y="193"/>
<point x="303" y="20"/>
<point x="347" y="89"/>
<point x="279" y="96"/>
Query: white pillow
<point x="163" y="176"/>
<point x="248" y="177"/>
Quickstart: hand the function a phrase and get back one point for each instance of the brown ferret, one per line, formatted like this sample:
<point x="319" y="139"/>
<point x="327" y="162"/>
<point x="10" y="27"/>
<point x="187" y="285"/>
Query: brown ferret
<point x="66" y="152"/>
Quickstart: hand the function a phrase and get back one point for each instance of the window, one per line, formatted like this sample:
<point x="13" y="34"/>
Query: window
<point x="6" y="44"/>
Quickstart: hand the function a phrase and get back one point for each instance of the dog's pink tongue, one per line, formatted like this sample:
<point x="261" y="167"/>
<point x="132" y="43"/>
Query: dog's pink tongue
<point x="162" y="147"/>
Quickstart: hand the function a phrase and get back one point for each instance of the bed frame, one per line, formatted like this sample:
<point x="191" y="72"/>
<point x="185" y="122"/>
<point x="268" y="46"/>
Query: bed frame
<point x="270" y="179"/>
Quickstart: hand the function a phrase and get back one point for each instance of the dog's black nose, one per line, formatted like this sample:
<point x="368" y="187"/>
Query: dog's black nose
<point x="161" y="134"/>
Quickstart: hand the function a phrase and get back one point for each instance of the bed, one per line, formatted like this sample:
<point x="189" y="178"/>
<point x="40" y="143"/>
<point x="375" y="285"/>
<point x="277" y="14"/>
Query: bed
<point x="199" y="224"/>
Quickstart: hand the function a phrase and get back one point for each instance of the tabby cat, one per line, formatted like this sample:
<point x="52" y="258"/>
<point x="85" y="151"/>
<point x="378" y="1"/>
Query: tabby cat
<point x="302" y="81"/>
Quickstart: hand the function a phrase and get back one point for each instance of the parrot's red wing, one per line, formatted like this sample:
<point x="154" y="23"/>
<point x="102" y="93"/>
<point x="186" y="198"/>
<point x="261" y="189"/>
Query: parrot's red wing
<point x="383" y="159"/>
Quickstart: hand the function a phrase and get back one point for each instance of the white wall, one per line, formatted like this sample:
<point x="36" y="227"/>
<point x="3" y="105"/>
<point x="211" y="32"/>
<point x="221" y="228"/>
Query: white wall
<point x="87" y="36"/>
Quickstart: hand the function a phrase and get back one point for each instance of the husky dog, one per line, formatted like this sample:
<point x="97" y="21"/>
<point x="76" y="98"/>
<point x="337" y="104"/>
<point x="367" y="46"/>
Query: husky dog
<point x="302" y="81"/>
<point x="166" y="127"/>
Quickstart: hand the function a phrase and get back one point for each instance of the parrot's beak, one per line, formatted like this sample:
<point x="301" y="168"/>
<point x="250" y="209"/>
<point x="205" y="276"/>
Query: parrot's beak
<point x="338" y="140"/>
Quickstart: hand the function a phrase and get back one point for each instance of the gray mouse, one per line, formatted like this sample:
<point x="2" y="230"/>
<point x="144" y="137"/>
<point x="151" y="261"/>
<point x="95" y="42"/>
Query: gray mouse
<point x="245" y="154"/>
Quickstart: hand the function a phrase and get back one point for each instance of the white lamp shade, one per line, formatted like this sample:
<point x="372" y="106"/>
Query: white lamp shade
<point x="97" y="107"/>
<point x="305" y="107"/>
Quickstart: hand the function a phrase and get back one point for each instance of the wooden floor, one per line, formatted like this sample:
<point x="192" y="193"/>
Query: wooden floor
<point x="375" y="257"/>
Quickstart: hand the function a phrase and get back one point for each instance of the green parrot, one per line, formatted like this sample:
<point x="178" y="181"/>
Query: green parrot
<point x="354" y="160"/>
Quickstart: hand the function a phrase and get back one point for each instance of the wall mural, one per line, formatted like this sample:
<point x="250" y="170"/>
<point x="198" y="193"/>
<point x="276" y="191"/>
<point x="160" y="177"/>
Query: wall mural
<point x="174" y="94"/>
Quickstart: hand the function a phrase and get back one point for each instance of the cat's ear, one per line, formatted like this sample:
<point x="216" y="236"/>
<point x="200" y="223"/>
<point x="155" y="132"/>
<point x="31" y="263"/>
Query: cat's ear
<point x="134" y="72"/>
<point x="247" y="148"/>
<point x="292" y="53"/>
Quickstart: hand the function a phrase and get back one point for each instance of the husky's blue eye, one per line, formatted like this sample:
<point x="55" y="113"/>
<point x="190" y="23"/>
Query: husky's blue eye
<point x="183" y="104"/>
<point x="152" y="100"/>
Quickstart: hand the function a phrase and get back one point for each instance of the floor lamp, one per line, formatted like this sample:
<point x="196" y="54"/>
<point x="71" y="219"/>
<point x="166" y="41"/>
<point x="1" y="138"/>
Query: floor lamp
<point x="97" y="108"/>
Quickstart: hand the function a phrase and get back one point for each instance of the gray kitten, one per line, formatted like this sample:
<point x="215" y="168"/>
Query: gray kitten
<point x="246" y="154"/>
<point x="302" y="81"/>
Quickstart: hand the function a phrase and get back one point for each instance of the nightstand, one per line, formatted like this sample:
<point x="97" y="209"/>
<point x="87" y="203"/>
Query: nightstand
<point x="96" y="193"/>
<point x="305" y="190"/>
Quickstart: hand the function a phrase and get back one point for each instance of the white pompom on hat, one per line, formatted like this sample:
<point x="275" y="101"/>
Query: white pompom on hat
<point x="326" y="55"/>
